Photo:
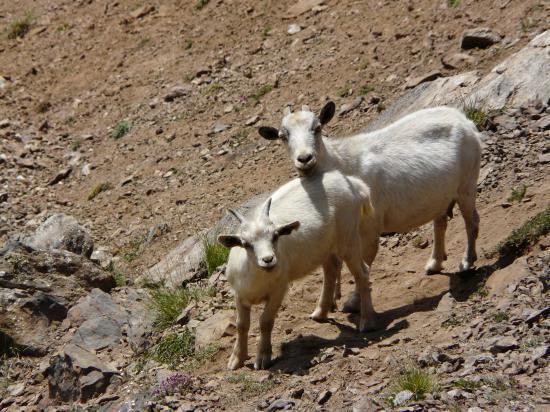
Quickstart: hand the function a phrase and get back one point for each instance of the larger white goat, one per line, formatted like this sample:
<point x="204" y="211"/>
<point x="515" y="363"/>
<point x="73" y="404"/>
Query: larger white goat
<point x="321" y="216"/>
<point x="416" y="169"/>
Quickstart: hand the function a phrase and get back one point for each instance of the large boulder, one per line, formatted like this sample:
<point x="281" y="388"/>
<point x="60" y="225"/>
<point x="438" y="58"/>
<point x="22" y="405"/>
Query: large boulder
<point x="519" y="78"/>
<point x="183" y="262"/>
<point x="76" y="374"/>
<point x="60" y="231"/>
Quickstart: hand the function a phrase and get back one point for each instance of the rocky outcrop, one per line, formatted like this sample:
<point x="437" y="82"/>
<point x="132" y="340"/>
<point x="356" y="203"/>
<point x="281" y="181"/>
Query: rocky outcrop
<point x="62" y="232"/>
<point x="519" y="78"/>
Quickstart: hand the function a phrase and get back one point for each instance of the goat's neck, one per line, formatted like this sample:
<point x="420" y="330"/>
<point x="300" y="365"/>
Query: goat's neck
<point x="330" y="154"/>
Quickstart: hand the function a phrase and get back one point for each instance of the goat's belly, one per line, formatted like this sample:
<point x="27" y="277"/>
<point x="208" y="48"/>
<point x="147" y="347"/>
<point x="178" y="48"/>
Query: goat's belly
<point x="407" y="216"/>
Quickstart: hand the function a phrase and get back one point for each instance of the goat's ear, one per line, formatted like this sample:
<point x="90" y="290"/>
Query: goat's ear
<point x="327" y="112"/>
<point x="288" y="228"/>
<point x="230" y="241"/>
<point x="269" y="133"/>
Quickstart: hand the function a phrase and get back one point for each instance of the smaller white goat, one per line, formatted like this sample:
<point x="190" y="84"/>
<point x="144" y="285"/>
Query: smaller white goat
<point x="322" y="214"/>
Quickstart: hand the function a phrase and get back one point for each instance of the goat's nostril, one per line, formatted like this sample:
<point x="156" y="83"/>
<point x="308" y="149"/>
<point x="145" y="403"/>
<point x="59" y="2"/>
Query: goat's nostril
<point x="267" y="259"/>
<point x="305" y="158"/>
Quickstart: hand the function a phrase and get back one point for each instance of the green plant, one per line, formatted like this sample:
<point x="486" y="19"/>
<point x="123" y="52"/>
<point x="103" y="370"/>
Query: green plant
<point x="133" y="248"/>
<point x="501" y="317"/>
<point x="363" y="65"/>
<point x="482" y="292"/>
<point x="215" y="254"/>
<point x="518" y="193"/>
<point x="466" y="384"/>
<point x="200" y="4"/>
<point x="180" y="347"/>
<point x="526" y="235"/>
<point x="43" y="107"/>
<point x="118" y="275"/>
<point x="366" y="89"/>
<point x="20" y="26"/>
<point x="102" y="187"/>
<point x="168" y="304"/>
<point x="75" y="145"/>
<point x="380" y="107"/>
<point x="249" y="386"/>
<point x="262" y="91"/>
<point x="63" y="27"/>
<point x="212" y="89"/>
<point x="412" y="378"/>
<point x="342" y="92"/>
<point x="188" y="45"/>
<point x="121" y="129"/>
<point x="174" y="347"/>
<point x="451" y="322"/>
<point x="239" y="136"/>
<point x="453" y="3"/>
<point x="265" y="32"/>
<point x="476" y="111"/>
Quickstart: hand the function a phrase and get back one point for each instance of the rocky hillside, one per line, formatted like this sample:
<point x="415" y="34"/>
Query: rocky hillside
<point x="126" y="130"/>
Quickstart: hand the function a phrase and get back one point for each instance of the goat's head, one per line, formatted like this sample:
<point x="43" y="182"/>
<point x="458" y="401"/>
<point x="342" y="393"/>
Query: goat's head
<point x="259" y="237"/>
<point x="301" y="131"/>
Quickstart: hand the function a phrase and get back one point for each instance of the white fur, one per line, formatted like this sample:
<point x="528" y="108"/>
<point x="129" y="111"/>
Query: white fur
<point x="415" y="169"/>
<point x="328" y="208"/>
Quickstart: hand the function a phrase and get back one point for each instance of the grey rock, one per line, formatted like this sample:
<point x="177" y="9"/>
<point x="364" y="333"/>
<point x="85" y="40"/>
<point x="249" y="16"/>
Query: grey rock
<point x="346" y="108"/>
<point x="220" y="127"/>
<point x="532" y="317"/>
<point x="16" y="389"/>
<point x="77" y="375"/>
<point x="157" y="231"/>
<point x="540" y="352"/>
<point x="402" y="397"/>
<point x="50" y="306"/>
<point x="501" y="344"/>
<point x="293" y="29"/>
<point x="176" y="92"/>
<point x="428" y="77"/>
<point x="3" y="197"/>
<point x="61" y="175"/>
<point x="544" y="158"/>
<point x="365" y="404"/>
<point x="98" y="333"/>
<point x="481" y="37"/>
<point x="513" y="82"/>
<point x="280" y="404"/>
<point x="61" y="231"/>
<point x="543" y="123"/>
<point x="456" y="60"/>
<point x="323" y="397"/>
<point x="215" y="327"/>
<point x="102" y="256"/>
<point x="447" y="303"/>
<point x="505" y="122"/>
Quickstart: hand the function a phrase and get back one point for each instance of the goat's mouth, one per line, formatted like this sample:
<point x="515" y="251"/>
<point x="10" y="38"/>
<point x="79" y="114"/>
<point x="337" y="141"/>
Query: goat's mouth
<point x="305" y="169"/>
<point x="268" y="268"/>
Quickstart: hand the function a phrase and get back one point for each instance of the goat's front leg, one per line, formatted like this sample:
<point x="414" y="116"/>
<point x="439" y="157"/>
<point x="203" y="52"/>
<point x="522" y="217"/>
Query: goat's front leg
<point x="331" y="270"/>
<point x="360" y="272"/>
<point x="267" y="320"/>
<point x="435" y="263"/>
<point x="240" y="350"/>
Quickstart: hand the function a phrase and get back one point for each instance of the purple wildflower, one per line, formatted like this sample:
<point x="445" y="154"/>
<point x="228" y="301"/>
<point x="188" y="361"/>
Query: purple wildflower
<point x="173" y="384"/>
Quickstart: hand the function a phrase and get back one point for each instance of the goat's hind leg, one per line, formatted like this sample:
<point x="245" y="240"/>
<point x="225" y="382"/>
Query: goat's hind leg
<point x="471" y="221"/>
<point x="435" y="263"/>
<point x="360" y="272"/>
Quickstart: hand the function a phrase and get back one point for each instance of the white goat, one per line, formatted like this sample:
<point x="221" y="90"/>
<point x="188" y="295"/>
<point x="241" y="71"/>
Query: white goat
<point x="416" y="169"/>
<point x="323" y="214"/>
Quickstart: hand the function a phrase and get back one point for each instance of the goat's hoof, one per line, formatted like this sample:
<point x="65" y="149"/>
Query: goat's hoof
<point x="465" y="265"/>
<point x="433" y="266"/>
<point x="262" y="362"/>
<point x="369" y="325"/>
<point x="353" y="305"/>
<point x="318" y="315"/>
<point x="235" y="363"/>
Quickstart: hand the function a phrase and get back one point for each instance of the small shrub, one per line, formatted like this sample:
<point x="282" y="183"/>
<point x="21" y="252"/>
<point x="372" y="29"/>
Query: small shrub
<point x="342" y="92"/>
<point x="466" y="384"/>
<point x="188" y="45"/>
<point x="482" y="292"/>
<point x="211" y="89"/>
<point x="173" y="348"/>
<point x="75" y="145"/>
<point x="168" y="304"/>
<point x="102" y="187"/>
<point x="215" y="254"/>
<point x="20" y="26"/>
<point x="176" y="348"/>
<point x="518" y="193"/>
<point x="414" y="379"/>
<point x="380" y="107"/>
<point x="265" y="32"/>
<point x="501" y="317"/>
<point x="63" y="27"/>
<point x="261" y="92"/>
<point x="249" y="386"/>
<point x="477" y="113"/>
<point x="201" y="3"/>
<point x="118" y="275"/>
<point x="121" y="129"/>
<point x="366" y="89"/>
<point x="364" y="65"/>
<point x="43" y="107"/>
<point x="133" y="248"/>
<point x="526" y="235"/>
<point x="453" y="3"/>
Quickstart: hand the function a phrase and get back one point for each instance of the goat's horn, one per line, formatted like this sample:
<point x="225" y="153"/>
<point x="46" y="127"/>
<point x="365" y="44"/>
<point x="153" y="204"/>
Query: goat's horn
<point x="305" y="108"/>
<point x="287" y="110"/>
<point x="267" y="207"/>
<point x="239" y="217"/>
